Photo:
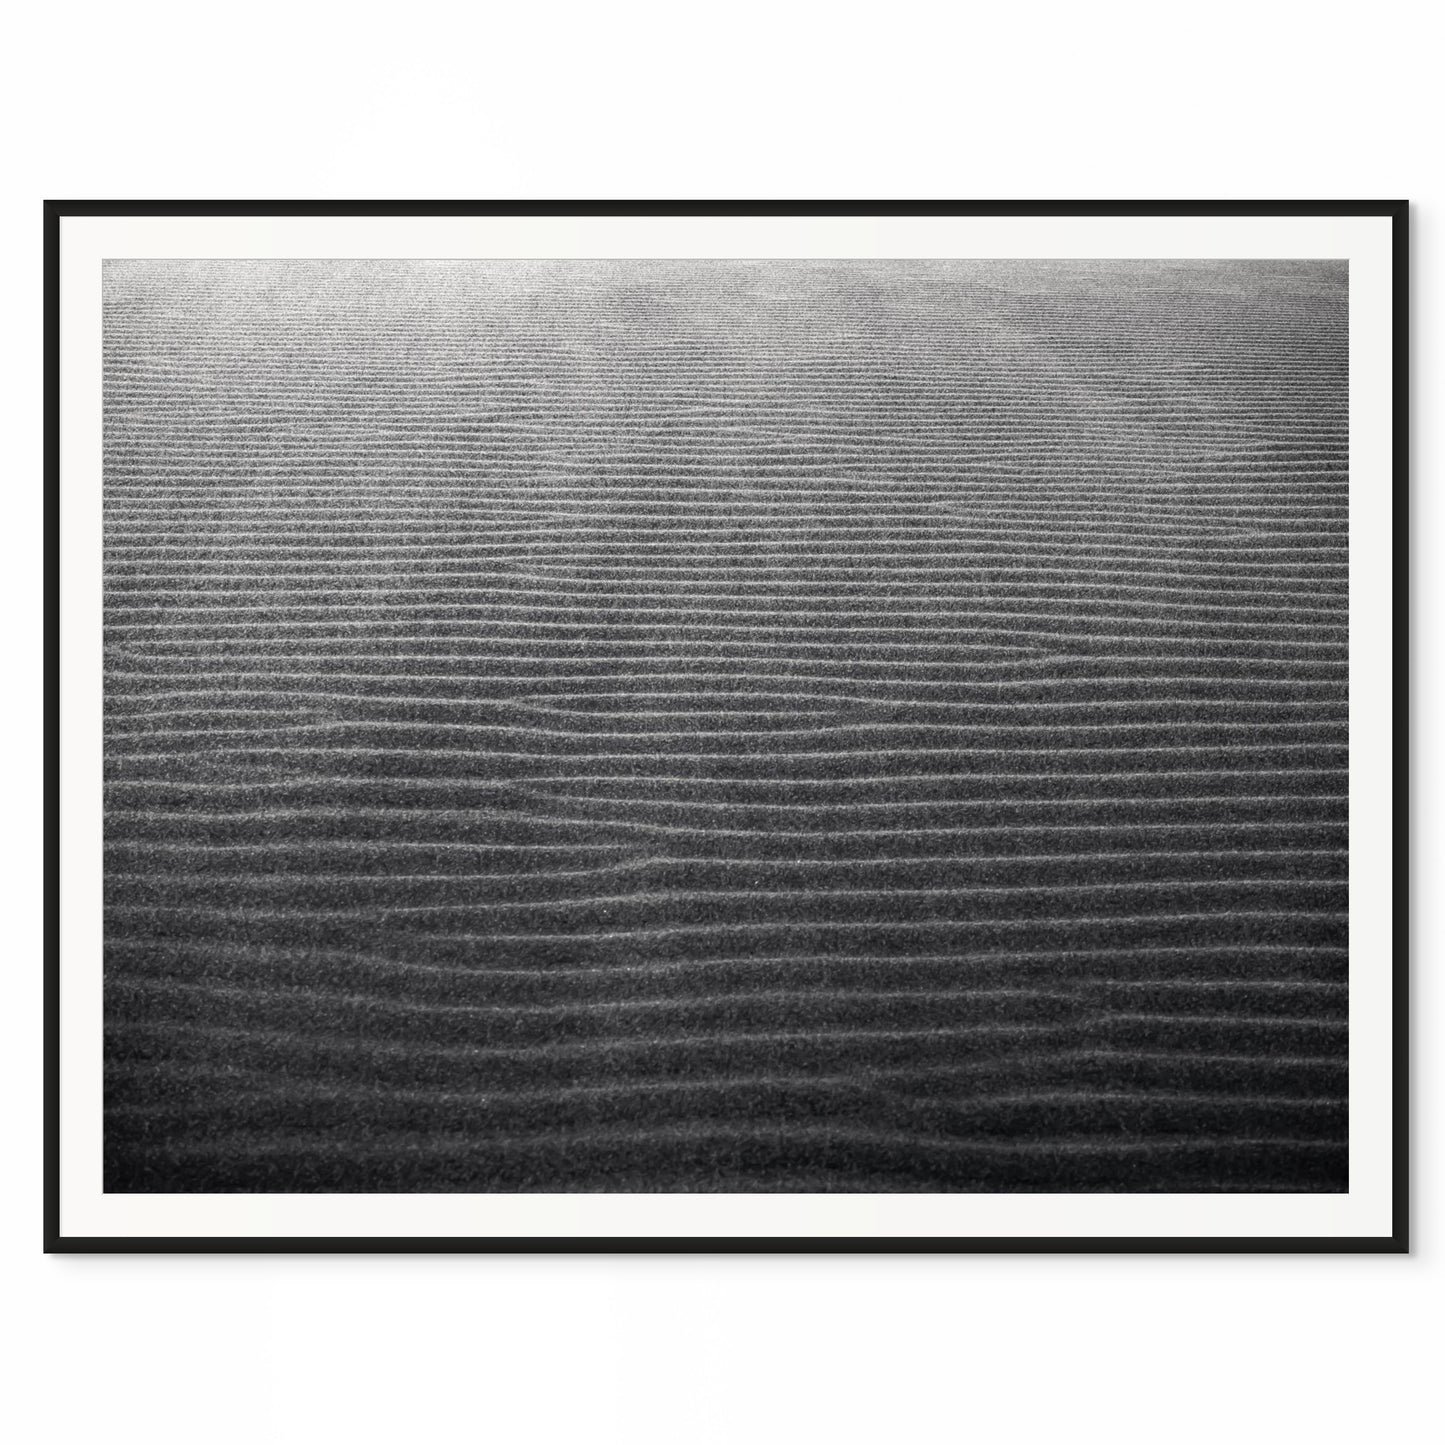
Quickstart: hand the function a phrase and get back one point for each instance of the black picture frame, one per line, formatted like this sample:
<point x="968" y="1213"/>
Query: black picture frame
<point x="1396" y="211"/>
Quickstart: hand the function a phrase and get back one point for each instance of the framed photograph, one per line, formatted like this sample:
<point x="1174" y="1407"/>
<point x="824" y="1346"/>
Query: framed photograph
<point x="717" y="726"/>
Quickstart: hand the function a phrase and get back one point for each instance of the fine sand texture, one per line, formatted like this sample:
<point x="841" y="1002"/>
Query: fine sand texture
<point x="726" y="726"/>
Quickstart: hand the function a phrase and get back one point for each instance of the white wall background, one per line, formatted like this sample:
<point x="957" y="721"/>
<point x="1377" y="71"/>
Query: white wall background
<point x="747" y="99"/>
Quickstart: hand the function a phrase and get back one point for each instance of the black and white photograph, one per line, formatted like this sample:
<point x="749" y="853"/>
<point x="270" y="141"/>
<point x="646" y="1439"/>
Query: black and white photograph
<point x="727" y="725"/>
<point x="722" y="724"/>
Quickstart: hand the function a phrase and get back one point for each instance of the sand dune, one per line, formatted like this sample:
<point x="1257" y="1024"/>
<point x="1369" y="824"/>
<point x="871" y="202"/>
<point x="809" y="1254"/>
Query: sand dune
<point x="726" y="726"/>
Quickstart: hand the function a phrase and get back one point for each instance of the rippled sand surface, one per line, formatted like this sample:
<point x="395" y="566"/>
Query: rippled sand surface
<point x="726" y="726"/>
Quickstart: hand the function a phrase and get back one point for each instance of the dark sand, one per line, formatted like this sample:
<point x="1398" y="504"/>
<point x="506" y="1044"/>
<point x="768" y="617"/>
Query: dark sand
<point x="726" y="726"/>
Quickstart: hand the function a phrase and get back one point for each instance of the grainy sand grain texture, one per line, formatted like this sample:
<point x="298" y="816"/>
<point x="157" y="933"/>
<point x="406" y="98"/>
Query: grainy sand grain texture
<point x="726" y="726"/>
